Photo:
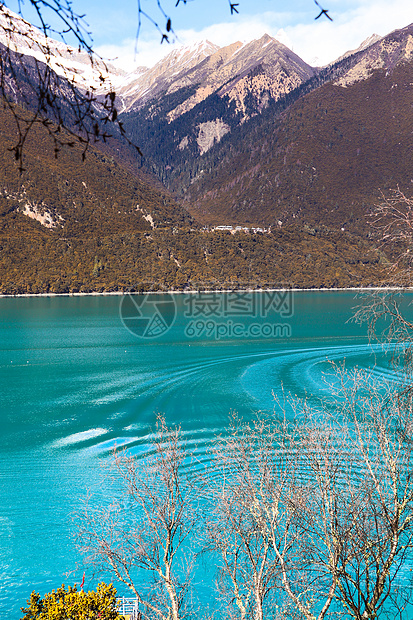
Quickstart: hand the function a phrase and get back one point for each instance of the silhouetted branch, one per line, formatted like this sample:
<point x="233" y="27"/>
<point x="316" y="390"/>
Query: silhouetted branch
<point x="42" y="86"/>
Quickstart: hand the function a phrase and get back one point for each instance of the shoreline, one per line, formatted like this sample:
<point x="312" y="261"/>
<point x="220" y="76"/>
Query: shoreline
<point x="195" y="292"/>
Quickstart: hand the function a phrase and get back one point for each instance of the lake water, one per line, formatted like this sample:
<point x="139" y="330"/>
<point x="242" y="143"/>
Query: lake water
<point x="77" y="378"/>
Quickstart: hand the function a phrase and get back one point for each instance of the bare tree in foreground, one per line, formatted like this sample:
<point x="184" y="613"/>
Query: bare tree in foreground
<point x="387" y="312"/>
<point x="267" y="508"/>
<point x="316" y="516"/>
<point x="375" y="527"/>
<point x="393" y="220"/>
<point x="251" y="480"/>
<point x="271" y="489"/>
<point x="312" y="519"/>
<point x="375" y="417"/>
<point x="141" y="536"/>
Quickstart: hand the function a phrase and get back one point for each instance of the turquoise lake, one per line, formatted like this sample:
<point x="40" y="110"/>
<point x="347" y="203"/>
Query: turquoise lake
<point x="75" y="381"/>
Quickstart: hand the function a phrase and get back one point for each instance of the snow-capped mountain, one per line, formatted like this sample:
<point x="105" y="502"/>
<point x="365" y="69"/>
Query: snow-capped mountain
<point x="363" y="46"/>
<point x="264" y="66"/>
<point x="145" y="83"/>
<point x="195" y="96"/>
<point x="79" y="68"/>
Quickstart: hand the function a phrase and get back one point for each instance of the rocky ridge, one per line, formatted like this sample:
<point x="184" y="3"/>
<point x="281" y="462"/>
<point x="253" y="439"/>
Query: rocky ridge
<point x="265" y="68"/>
<point x="380" y="53"/>
<point x="145" y="83"/>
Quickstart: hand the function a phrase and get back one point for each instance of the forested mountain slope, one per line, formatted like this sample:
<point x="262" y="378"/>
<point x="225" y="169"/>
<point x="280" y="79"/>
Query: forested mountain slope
<point x="320" y="153"/>
<point x="324" y="161"/>
<point x="68" y="226"/>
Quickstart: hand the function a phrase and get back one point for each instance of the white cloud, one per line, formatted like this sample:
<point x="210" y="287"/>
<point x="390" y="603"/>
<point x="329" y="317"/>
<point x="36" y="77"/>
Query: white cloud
<point x="149" y="51"/>
<point x="327" y="41"/>
<point x="317" y="42"/>
<point x="246" y="29"/>
<point x="128" y="58"/>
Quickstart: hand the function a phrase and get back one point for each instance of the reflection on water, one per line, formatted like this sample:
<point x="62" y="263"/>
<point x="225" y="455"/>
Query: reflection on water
<point x="75" y="383"/>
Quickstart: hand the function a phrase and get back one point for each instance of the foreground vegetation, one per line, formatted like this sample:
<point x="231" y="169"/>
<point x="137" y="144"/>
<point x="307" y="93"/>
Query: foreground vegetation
<point x="71" y="603"/>
<point x="308" y="515"/>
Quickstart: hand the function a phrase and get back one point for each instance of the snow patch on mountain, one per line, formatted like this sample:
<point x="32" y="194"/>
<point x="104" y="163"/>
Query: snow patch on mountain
<point x="371" y="40"/>
<point x="146" y="216"/>
<point x="384" y="53"/>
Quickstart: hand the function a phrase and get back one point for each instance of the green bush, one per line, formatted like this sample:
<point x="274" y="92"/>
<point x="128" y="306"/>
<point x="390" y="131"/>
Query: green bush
<point x="73" y="604"/>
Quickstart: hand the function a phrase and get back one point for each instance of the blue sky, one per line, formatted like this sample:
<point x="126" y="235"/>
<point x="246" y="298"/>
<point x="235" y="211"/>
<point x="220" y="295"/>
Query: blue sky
<point x="113" y="24"/>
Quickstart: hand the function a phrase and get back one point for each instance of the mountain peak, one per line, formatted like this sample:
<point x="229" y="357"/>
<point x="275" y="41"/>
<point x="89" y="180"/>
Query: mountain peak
<point x="139" y="85"/>
<point x="369" y="41"/>
<point x="265" y="66"/>
<point x="379" y="53"/>
<point x="203" y="46"/>
<point x="373" y="38"/>
<point x="188" y="55"/>
<point x="266" y="38"/>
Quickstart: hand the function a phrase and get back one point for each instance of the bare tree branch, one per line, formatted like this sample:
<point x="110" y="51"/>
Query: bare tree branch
<point x="147" y="527"/>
